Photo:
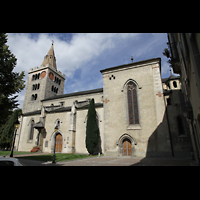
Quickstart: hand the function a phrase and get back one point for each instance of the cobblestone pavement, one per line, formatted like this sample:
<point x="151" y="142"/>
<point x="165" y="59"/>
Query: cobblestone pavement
<point x="129" y="161"/>
<point x="102" y="161"/>
<point x="116" y="161"/>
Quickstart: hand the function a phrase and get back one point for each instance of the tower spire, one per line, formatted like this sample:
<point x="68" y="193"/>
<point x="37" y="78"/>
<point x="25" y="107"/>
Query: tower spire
<point x="50" y="58"/>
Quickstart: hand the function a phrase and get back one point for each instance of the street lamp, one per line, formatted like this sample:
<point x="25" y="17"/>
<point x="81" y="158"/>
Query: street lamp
<point x="54" y="151"/>
<point x="16" y="125"/>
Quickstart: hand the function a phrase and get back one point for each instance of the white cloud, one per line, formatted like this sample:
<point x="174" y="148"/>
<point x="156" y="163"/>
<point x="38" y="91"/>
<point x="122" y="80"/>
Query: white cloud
<point x="82" y="53"/>
<point x="85" y="47"/>
<point x="70" y="55"/>
<point x="149" y="45"/>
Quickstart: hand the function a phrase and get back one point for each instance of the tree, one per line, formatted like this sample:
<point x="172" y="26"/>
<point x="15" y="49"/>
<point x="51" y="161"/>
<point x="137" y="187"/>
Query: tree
<point x="92" y="130"/>
<point x="10" y="82"/>
<point x="7" y="131"/>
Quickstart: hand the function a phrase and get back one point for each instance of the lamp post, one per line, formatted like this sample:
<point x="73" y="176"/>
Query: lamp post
<point x="16" y="127"/>
<point x="54" y="151"/>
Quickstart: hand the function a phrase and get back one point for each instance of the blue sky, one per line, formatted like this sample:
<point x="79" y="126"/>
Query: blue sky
<point x="81" y="56"/>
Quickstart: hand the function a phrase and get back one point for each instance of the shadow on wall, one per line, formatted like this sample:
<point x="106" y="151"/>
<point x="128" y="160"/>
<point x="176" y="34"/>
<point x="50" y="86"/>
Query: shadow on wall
<point x="169" y="141"/>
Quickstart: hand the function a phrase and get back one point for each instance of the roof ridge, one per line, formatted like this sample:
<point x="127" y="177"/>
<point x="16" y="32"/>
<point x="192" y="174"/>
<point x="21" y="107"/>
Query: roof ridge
<point x="129" y="64"/>
<point x="74" y="94"/>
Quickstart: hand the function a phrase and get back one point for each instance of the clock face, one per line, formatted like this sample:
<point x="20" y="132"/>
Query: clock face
<point x="43" y="74"/>
<point x="51" y="76"/>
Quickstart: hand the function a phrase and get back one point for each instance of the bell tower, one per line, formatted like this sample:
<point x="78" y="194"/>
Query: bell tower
<point x="43" y="82"/>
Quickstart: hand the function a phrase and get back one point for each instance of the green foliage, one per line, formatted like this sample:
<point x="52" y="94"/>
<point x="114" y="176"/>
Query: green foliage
<point x="7" y="130"/>
<point x="92" y="129"/>
<point x="10" y="82"/>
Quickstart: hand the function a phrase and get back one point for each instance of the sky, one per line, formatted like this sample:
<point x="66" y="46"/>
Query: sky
<point x="81" y="56"/>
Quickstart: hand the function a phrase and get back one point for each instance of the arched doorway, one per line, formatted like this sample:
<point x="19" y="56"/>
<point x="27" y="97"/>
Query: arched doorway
<point x="127" y="147"/>
<point x="59" y="141"/>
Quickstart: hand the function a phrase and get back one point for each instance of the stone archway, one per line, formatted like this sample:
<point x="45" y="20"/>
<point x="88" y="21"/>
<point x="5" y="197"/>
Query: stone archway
<point x="59" y="141"/>
<point x="126" y="145"/>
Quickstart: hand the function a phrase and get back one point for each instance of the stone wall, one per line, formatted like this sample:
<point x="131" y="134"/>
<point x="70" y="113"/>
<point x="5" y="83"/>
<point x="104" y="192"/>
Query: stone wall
<point x="150" y="105"/>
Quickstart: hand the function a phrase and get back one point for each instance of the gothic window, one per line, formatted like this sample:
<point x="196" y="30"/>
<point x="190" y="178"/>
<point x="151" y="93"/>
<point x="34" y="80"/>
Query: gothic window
<point x="31" y="130"/>
<point x="57" y="80"/>
<point x="34" y="97"/>
<point x="35" y="76"/>
<point x="54" y="89"/>
<point x="132" y="103"/>
<point x="58" y="123"/>
<point x="36" y="87"/>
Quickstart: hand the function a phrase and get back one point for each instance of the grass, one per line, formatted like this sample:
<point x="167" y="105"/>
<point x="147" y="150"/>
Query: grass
<point x="59" y="157"/>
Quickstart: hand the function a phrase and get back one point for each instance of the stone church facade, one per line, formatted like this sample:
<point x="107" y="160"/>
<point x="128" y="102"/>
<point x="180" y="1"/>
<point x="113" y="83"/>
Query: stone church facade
<point x="131" y="111"/>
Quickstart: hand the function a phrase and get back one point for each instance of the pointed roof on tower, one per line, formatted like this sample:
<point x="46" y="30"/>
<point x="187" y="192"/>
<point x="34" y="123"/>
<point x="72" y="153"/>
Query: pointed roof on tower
<point x="51" y="51"/>
<point x="50" y="58"/>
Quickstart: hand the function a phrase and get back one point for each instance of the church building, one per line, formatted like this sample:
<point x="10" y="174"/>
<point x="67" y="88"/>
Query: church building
<point x="131" y="111"/>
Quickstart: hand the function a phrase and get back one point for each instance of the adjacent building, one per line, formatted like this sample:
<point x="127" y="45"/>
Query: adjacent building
<point x="184" y="49"/>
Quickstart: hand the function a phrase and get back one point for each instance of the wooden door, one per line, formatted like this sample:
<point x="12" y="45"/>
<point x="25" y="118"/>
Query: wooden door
<point x="59" y="140"/>
<point x="127" y="149"/>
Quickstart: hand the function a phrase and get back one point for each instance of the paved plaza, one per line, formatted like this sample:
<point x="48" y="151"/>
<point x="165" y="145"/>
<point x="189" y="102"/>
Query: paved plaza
<point x="116" y="161"/>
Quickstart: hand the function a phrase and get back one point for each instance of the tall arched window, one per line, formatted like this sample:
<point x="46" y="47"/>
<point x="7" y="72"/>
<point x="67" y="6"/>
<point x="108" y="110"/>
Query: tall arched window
<point x="132" y="103"/>
<point x="31" y="130"/>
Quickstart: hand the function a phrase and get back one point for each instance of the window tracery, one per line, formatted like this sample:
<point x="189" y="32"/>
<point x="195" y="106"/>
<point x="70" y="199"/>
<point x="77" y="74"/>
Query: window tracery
<point x="132" y="103"/>
<point x="31" y="130"/>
